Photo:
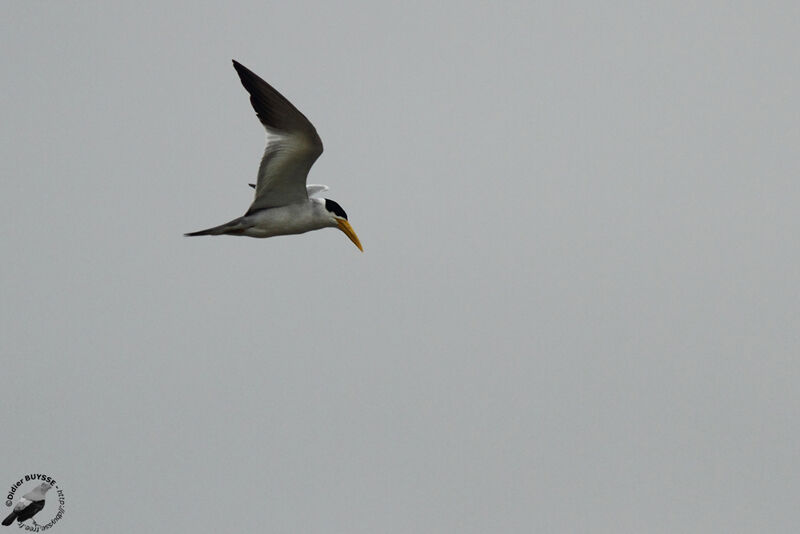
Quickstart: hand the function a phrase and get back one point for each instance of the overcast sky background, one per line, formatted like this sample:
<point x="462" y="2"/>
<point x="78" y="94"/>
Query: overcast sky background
<point x="578" y="309"/>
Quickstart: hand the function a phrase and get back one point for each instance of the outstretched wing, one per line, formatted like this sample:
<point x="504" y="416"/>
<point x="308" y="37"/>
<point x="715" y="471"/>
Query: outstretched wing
<point x="292" y="145"/>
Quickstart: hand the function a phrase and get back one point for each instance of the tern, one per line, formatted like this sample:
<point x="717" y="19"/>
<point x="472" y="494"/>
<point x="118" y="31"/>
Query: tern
<point x="284" y="204"/>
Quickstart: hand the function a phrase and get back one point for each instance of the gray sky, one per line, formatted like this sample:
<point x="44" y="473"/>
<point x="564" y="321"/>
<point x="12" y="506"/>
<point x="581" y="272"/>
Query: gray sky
<point x="577" y="311"/>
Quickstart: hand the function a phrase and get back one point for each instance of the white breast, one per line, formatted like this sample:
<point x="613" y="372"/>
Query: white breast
<point x="292" y="219"/>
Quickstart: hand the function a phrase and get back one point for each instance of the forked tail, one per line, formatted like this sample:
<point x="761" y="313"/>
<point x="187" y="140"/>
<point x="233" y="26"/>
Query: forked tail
<point x="235" y="227"/>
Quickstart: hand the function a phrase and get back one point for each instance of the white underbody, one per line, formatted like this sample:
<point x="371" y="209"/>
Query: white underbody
<point x="295" y="218"/>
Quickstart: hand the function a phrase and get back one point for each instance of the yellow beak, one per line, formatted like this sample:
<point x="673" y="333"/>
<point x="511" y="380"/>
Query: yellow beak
<point x="345" y="227"/>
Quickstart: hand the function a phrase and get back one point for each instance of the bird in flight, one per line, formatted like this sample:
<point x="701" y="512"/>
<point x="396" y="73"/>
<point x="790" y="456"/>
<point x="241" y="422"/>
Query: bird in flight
<point x="283" y="203"/>
<point x="28" y="505"/>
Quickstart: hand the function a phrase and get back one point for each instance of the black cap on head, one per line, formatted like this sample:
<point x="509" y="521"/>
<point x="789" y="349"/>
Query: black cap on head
<point x="335" y="208"/>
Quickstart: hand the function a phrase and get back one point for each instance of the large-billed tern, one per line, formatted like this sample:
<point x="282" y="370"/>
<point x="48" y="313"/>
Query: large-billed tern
<point x="283" y="203"/>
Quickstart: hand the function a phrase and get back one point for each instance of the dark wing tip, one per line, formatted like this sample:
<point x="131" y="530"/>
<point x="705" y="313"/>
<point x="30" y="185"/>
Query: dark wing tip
<point x="241" y="69"/>
<point x="272" y="108"/>
<point x="237" y="65"/>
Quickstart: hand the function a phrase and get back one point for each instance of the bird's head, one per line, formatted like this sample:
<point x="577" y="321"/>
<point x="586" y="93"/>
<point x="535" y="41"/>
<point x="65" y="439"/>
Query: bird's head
<point x="44" y="486"/>
<point x="339" y="219"/>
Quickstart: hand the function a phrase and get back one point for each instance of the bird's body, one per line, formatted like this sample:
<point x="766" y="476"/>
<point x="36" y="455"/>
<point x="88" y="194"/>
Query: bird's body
<point x="283" y="204"/>
<point x="296" y="218"/>
<point x="28" y="505"/>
